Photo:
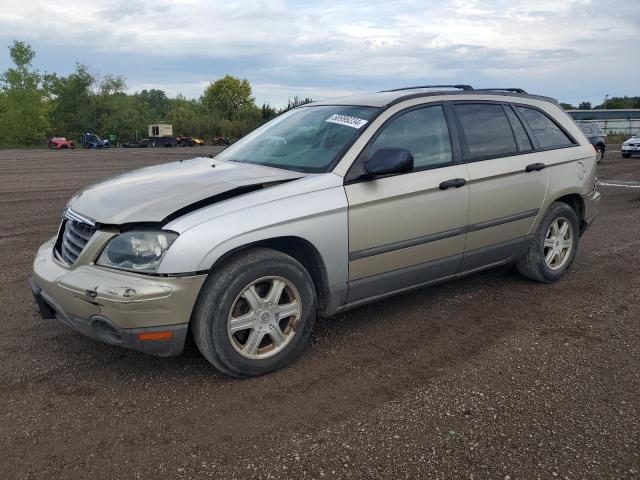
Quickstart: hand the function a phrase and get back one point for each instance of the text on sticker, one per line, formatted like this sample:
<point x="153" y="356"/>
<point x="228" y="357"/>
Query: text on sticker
<point x="354" y="122"/>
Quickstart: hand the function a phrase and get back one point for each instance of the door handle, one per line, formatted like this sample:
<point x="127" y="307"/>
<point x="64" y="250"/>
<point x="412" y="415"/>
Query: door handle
<point x="535" y="167"/>
<point x="453" y="183"/>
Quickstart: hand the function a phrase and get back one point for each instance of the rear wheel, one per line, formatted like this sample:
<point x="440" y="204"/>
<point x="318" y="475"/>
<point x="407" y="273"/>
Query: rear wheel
<point x="554" y="245"/>
<point x="255" y="314"/>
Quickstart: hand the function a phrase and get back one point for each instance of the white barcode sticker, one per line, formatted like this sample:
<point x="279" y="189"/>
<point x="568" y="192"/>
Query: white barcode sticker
<point x="346" y="120"/>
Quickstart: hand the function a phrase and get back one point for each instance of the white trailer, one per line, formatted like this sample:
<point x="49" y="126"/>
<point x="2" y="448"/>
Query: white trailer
<point x="161" y="134"/>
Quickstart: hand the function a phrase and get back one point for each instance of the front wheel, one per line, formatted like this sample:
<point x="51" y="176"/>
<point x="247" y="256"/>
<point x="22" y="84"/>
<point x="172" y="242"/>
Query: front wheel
<point x="553" y="246"/>
<point x="255" y="313"/>
<point x="626" y="155"/>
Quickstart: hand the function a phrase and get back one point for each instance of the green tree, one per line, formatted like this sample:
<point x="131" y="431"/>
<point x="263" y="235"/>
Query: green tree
<point x="22" y="108"/>
<point x="567" y="106"/>
<point x="33" y="105"/>
<point x="584" y="106"/>
<point x="227" y="97"/>
<point x="296" y="102"/>
<point x="268" y="112"/>
<point x="183" y="114"/>
<point x="621" y="102"/>
<point x="117" y="113"/>
<point x="112" y="84"/>
<point x="72" y="109"/>
<point x="157" y="101"/>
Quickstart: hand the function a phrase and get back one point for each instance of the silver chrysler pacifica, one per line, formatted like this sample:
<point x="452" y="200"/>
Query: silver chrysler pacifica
<point x="328" y="206"/>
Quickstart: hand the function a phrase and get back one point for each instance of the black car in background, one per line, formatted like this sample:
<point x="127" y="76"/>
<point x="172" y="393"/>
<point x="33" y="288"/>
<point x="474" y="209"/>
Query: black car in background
<point x="596" y="136"/>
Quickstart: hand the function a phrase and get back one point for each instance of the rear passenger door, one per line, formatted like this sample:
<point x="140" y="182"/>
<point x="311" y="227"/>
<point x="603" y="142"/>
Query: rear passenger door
<point x="508" y="182"/>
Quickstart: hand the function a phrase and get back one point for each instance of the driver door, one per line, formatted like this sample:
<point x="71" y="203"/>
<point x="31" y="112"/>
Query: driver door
<point x="408" y="229"/>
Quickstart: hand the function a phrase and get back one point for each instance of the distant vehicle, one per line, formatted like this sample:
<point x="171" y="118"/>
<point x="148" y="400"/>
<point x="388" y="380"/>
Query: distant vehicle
<point x="221" y="141"/>
<point x="631" y="146"/>
<point x="91" y="140"/>
<point x="144" y="143"/>
<point x="60" y="143"/>
<point x="183" y="141"/>
<point x="596" y="136"/>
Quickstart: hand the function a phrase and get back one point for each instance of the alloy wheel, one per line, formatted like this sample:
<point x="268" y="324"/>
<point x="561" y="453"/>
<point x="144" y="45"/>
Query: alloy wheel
<point x="558" y="243"/>
<point x="263" y="318"/>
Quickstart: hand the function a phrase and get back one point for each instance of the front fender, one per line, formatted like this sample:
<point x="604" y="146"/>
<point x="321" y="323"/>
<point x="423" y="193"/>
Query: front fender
<point x="318" y="216"/>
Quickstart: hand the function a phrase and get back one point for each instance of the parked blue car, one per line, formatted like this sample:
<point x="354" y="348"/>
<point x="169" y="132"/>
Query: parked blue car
<point x="91" y="140"/>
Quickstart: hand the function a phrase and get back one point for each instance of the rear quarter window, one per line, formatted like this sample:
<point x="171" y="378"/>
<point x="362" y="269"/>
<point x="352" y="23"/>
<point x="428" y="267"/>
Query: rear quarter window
<point x="524" y="143"/>
<point x="547" y="133"/>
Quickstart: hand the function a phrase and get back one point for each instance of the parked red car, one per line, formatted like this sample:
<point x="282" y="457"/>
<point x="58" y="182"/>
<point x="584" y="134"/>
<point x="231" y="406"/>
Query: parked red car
<point x="60" y="142"/>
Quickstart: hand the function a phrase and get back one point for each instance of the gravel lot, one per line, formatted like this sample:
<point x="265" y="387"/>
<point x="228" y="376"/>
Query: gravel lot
<point x="491" y="376"/>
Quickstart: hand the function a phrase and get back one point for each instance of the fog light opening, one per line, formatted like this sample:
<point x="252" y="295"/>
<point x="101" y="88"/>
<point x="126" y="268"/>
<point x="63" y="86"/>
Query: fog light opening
<point x="106" y="332"/>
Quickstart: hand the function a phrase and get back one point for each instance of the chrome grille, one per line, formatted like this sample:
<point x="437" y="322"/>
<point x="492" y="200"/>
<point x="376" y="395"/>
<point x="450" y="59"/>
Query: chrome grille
<point x="74" y="236"/>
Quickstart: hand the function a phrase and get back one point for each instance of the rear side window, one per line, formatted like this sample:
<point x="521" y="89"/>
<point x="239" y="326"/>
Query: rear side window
<point x="423" y="132"/>
<point x="548" y="134"/>
<point x="522" y="139"/>
<point x="486" y="131"/>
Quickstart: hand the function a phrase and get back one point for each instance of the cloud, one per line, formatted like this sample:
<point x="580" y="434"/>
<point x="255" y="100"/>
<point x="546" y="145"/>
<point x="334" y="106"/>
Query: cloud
<point x="324" y="47"/>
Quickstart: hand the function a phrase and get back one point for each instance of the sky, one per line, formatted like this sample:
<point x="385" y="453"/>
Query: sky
<point x="575" y="50"/>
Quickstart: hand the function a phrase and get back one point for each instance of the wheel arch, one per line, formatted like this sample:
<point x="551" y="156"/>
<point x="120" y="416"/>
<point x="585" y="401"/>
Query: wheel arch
<point x="298" y="248"/>
<point x="576" y="202"/>
<point x="573" y="200"/>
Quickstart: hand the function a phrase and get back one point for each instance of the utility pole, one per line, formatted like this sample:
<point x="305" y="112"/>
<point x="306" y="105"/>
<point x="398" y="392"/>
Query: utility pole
<point x="606" y="97"/>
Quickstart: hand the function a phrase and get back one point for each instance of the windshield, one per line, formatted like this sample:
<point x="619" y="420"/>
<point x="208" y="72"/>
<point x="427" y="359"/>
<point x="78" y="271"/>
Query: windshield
<point x="586" y="128"/>
<point x="306" y="139"/>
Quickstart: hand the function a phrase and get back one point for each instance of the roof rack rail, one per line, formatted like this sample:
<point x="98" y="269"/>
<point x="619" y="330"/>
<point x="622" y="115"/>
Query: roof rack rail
<point x="515" y="90"/>
<point x="459" y="87"/>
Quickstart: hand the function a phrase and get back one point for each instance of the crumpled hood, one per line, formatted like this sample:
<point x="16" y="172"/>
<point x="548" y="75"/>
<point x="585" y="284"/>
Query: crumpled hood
<point x="152" y="194"/>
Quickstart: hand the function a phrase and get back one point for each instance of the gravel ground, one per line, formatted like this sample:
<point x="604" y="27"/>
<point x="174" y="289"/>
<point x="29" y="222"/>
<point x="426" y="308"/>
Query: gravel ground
<point x="490" y="376"/>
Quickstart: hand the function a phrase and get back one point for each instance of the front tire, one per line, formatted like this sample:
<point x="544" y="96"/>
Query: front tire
<point x="626" y="155"/>
<point x="554" y="245"/>
<point x="255" y="313"/>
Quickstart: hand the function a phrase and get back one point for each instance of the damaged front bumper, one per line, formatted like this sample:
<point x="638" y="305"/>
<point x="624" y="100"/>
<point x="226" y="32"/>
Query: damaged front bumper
<point x="136" y="311"/>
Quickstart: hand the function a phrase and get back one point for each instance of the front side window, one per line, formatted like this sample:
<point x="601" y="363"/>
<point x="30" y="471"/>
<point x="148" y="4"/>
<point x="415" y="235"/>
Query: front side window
<point x="486" y="131"/>
<point x="548" y="134"/>
<point x="423" y="132"/>
<point x="306" y="139"/>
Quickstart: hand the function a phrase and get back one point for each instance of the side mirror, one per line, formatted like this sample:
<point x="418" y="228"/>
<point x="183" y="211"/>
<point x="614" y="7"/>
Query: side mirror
<point x="387" y="161"/>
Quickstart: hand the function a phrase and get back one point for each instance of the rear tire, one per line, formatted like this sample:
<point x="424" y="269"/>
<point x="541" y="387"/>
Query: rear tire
<point x="255" y="313"/>
<point x="553" y="249"/>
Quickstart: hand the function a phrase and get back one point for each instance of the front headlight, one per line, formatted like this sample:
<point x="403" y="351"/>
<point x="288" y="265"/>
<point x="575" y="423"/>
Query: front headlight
<point x="137" y="250"/>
